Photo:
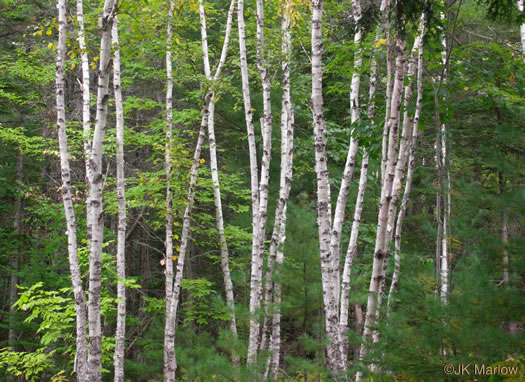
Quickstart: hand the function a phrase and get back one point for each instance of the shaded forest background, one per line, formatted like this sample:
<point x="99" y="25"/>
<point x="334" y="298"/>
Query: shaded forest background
<point x="482" y="103"/>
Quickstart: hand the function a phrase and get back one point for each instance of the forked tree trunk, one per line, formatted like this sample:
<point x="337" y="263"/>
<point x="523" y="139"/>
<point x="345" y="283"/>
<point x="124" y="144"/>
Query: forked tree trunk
<point x="96" y="194"/>
<point x="74" y="267"/>
<point x="120" y="332"/>
<point x="259" y="224"/>
<point x="411" y="166"/>
<point x="272" y="327"/>
<point x="381" y="247"/>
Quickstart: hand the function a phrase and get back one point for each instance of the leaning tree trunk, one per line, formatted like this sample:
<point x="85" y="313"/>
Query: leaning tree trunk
<point x="381" y="247"/>
<point x="74" y="267"/>
<point x="410" y="171"/>
<point x="170" y="363"/>
<point x="219" y="219"/>
<point x="96" y="194"/>
<point x="120" y="332"/>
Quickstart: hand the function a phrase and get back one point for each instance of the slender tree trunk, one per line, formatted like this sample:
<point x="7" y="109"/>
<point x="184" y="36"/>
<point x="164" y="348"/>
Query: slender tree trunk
<point x="74" y="267"/>
<point x="329" y="275"/>
<point x="504" y="233"/>
<point x="96" y="194"/>
<point x="120" y="333"/>
<point x="14" y="259"/>
<point x="86" y="114"/>
<point x="170" y="363"/>
<point x="259" y="224"/>
<point x="381" y="247"/>
<point x="276" y="250"/>
<point x="169" y="352"/>
<point x="219" y="219"/>
<point x="342" y="198"/>
<point x="522" y="28"/>
<point x="410" y="171"/>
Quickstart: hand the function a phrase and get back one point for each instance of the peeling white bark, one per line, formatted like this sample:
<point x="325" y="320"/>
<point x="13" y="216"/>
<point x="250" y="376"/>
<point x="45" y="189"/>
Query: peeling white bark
<point x="74" y="267"/>
<point x="169" y="325"/>
<point x="219" y="219"/>
<point x="96" y="194"/>
<point x="86" y="114"/>
<point x="411" y="166"/>
<point x="329" y="275"/>
<point x="381" y="246"/>
<point x="120" y="333"/>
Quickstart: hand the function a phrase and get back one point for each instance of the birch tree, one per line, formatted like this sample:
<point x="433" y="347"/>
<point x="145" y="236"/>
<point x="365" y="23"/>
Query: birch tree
<point x="381" y="246"/>
<point x="259" y="215"/>
<point x="219" y="219"/>
<point x="65" y="170"/>
<point x="522" y="27"/>
<point x="411" y="165"/>
<point x="120" y="333"/>
<point x="96" y="193"/>
<point x="271" y="337"/>
<point x="324" y="216"/>
<point x="86" y="113"/>
<point x="169" y="331"/>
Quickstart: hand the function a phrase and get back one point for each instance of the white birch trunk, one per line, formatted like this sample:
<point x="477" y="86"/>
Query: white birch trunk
<point x="96" y="194"/>
<point x="342" y="198"/>
<point x="74" y="267"/>
<point x="381" y="249"/>
<point x="86" y="114"/>
<point x="120" y="333"/>
<point x="444" y="180"/>
<point x="263" y="188"/>
<point x="219" y="219"/>
<point x="167" y="159"/>
<point x="329" y="276"/>
<point x="410" y="171"/>
<point x="522" y="28"/>
<point x="170" y="363"/>
<point x="276" y="250"/>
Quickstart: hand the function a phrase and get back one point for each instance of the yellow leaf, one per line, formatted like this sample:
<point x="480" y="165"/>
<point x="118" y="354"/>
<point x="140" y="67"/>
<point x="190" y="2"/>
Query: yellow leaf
<point x="73" y="66"/>
<point x="177" y="247"/>
<point x="466" y="88"/>
<point x="202" y="161"/>
<point x="176" y="237"/>
<point x="177" y="41"/>
<point x="174" y="257"/>
<point x="73" y="55"/>
<point x="49" y="32"/>
<point x="39" y="33"/>
<point x="95" y="59"/>
<point x="50" y="45"/>
<point x="380" y="42"/>
<point x="93" y="65"/>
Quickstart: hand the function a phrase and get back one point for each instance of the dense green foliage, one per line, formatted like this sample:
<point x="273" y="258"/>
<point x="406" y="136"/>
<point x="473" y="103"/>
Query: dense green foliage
<point x="482" y="103"/>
